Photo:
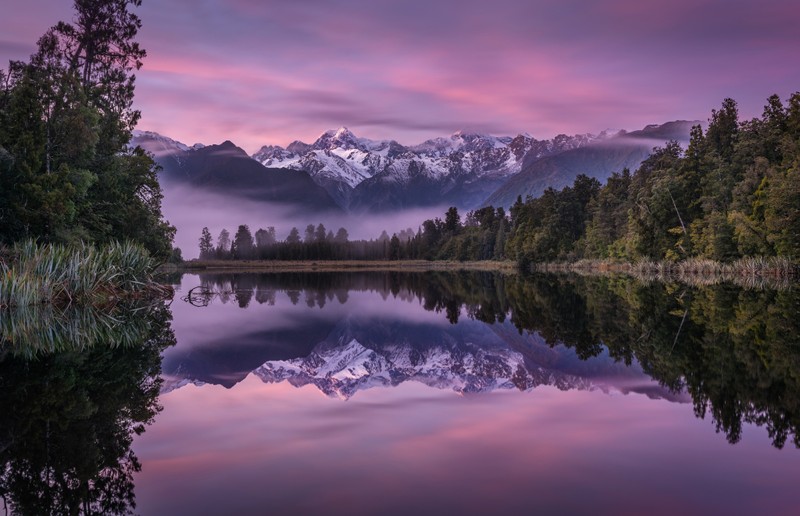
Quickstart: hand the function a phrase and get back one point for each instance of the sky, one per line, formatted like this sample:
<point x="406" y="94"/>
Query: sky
<point x="262" y="72"/>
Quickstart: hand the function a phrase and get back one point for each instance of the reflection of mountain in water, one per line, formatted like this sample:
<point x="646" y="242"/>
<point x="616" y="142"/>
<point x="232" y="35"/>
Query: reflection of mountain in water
<point x="732" y="351"/>
<point x="355" y="352"/>
<point x="342" y="369"/>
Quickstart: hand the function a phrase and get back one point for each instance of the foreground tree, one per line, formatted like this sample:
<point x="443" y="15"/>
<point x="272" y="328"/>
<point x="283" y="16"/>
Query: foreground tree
<point x="66" y="171"/>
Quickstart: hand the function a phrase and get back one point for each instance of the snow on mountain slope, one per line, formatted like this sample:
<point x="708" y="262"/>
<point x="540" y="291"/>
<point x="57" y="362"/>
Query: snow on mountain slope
<point x="341" y="371"/>
<point x="452" y="169"/>
<point x="160" y="145"/>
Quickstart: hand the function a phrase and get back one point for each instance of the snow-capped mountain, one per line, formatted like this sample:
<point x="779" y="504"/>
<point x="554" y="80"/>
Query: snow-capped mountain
<point x="348" y="367"/>
<point x="160" y="145"/>
<point x="363" y="174"/>
<point x="228" y="169"/>
<point x="467" y="170"/>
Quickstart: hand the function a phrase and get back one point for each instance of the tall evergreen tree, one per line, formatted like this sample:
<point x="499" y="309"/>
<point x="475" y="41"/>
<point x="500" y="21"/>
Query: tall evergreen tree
<point x="242" y="246"/>
<point x="206" y="244"/>
<point x="65" y="120"/>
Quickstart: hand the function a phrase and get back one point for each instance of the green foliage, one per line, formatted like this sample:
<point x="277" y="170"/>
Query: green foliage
<point x="66" y="172"/>
<point x="60" y="274"/>
<point x="608" y="218"/>
<point x="734" y="192"/>
<point x="782" y="211"/>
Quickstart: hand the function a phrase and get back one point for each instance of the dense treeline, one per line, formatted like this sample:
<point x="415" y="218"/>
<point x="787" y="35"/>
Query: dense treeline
<point x="733" y="192"/>
<point x="66" y="171"/>
<point x="481" y="237"/>
<point x="316" y="244"/>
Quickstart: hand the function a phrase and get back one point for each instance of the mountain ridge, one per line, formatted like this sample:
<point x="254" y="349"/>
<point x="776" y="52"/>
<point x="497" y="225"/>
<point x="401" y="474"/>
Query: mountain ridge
<point x="467" y="169"/>
<point x="376" y="175"/>
<point x="228" y="169"/>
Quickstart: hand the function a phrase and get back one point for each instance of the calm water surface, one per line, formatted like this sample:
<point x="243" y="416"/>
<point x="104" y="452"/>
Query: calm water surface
<point x="431" y="393"/>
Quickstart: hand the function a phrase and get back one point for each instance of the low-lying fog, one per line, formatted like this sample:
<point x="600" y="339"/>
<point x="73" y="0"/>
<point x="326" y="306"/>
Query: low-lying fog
<point x="191" y="209"/>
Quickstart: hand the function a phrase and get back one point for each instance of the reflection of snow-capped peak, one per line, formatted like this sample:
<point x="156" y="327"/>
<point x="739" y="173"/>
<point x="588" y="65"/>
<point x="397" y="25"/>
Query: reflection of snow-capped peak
<point x="341" y="371"/>
<point x="173" y="383"/>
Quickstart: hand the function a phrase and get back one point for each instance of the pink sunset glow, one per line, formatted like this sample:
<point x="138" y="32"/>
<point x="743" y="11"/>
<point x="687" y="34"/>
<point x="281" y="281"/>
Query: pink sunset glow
<point x="270" y="72"/>
<point x="548" y="450"/>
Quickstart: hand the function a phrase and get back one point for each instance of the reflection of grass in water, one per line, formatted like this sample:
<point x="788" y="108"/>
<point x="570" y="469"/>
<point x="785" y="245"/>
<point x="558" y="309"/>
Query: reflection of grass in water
<point x="750" y="273"/>
<point x="39" y="329"/>
<point x="50" y="273"/>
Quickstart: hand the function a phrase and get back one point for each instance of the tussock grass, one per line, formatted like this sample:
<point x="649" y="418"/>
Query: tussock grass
<point x="751" y="272"/>
<point x="34" y="274"/>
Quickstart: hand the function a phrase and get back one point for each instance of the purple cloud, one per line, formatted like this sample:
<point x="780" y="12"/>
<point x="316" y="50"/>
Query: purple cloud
<point x="270" y="72"/>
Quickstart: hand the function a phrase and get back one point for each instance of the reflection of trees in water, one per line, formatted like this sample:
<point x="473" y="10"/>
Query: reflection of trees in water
<point x="69" y="416"/>
<point x="736" y="351"/>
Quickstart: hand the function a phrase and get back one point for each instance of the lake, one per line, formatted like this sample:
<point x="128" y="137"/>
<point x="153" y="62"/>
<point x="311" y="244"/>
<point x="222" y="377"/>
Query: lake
<point x="398" y="393"/>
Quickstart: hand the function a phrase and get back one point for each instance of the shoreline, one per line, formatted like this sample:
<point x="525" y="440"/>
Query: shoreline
<point x="506" y="267"/>
<point x="757" y="272"/>
<point x="748" y="272"/>
<point x="753" y="266"/>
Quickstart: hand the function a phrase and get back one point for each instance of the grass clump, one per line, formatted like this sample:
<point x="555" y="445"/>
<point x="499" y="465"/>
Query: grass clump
<point x="33" y="274"/>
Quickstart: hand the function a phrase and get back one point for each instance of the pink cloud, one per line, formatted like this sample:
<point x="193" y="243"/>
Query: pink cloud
<point x="271" y="72"/>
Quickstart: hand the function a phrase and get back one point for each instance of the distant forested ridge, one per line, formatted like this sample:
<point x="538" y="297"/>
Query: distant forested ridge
<point x="733" y="192"/>
<point x="66" y="116"/>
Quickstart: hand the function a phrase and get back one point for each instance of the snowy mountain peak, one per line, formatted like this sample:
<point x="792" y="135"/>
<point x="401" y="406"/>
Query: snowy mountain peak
<point x="341" y="370"/>
<point x="298" y="147"/>
<point x="457" y="170"/>
<point x="343" y="132"/>
<point x="156" y="141"/>
<point x="158" y="144"/>
<point x="467" y="163"/>
<point x="340" y="138"/>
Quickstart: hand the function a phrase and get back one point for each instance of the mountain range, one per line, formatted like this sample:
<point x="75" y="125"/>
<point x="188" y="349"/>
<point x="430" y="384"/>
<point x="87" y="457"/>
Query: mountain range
<point x="227" y="169"/>
<point x="340" y="171"/>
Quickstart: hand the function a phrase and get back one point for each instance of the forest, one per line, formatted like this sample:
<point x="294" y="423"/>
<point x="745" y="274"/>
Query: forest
<point x="733" y="192"/>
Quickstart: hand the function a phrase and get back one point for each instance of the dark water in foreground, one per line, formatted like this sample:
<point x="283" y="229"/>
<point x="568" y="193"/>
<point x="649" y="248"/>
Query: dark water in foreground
<point x="398" y="393"/>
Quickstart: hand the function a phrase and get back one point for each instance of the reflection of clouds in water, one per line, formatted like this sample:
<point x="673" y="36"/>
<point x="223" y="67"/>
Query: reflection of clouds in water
<point x="413" y="448"/>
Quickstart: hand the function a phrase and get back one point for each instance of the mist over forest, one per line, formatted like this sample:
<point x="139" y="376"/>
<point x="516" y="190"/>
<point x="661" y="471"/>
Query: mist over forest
<point x="190" y="209"/>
